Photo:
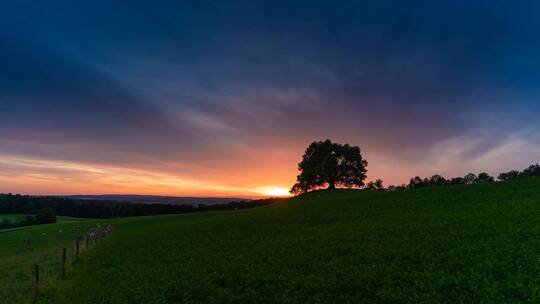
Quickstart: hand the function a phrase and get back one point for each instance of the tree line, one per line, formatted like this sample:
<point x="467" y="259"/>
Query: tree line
<point x="531" y="171"/>
<point x="435" y="180"/>
<point x="471" y="178"/>
<point x="438" y="180"/>
<point x="24" y="204"/>
<point x="43" y="216"/>
<point x="326" y="164"/>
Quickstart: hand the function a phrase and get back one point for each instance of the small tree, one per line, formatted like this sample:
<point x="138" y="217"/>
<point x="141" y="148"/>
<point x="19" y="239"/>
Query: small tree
<point x="331" y="165"/>
<point x="484" y="177"/>
<point x="417" y="182"/>
<point x="531" y="171"/>
<point x="506" y="176"/>
<point x="457" y="181"/>
<point x="375" y="185"/>
<point x="437" y="180"/>
<point x="470" y="178"/>
<point x="46" y="216"/>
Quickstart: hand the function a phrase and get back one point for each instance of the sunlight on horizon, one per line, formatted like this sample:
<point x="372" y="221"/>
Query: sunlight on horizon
<point x="275" y="191"/>
<point x="52" y="177"/>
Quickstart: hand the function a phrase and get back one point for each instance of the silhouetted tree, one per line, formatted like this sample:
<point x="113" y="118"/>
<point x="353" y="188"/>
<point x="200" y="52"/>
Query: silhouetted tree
<point x="510" y="175"/>
<point x="397" y="187"/>
<point x="484" y="177"/>
<point x="328" y="164"/>
<point x="531" y="171"/>
<point x="470" y="178"/>
<point x="375" y="185"/>
<point x="302" y="185"/>
<point x="417" y="182"/>
<point x="437" y="180"/>
<point x="457" y="181"/>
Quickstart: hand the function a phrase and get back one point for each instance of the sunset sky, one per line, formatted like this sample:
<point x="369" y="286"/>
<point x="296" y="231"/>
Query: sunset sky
<point x="217" y="98"/>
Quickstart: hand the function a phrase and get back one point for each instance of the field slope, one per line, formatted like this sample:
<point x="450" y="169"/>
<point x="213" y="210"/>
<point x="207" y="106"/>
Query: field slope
<point x="452" y="244"/>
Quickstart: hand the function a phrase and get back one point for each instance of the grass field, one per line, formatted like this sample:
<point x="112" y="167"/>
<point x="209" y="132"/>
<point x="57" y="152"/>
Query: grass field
<point x="21" y="217"/>
<point x="17" y="258"/>
<point x="12" y="217"/>
<point x="452" y="244"/>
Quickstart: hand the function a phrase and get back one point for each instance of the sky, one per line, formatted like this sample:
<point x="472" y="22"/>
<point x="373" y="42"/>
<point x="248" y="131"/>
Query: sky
<point x="214" y="98"/>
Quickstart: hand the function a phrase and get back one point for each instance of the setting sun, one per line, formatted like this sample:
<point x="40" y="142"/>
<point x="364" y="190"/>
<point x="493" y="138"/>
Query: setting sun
<point x="275" y="191"/>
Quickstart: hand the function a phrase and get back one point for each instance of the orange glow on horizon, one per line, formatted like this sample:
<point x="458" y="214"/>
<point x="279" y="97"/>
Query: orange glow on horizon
<point x="248" y="178"/>
<point x="275" y="191"/>
<point x="52" y="177"/>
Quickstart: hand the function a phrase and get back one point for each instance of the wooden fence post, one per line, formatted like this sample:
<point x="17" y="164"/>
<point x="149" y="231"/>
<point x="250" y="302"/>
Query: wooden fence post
<point x="78" y="247"/>
<point x="63" y="262"/>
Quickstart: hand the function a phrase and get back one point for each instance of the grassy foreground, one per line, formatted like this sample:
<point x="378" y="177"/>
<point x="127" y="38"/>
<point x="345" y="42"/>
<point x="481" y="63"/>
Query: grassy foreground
<point x="17" y="257"/>
<point x="22" y="217"/>
<point x="451" y="244"/>
<point x="12" y="217"/>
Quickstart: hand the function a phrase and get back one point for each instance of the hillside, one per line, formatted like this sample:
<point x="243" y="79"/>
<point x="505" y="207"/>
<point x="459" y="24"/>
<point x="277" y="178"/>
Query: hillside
<point x="448" y="244"/>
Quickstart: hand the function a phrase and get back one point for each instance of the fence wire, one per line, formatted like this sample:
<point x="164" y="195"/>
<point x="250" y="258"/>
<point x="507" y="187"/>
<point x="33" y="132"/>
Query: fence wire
<point x="21" y="278"/>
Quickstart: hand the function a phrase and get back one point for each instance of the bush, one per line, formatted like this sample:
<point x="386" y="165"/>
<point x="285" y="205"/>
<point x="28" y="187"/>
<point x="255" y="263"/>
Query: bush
<point x="46" y="216"/>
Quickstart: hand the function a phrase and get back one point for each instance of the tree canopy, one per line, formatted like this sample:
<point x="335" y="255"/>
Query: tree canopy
<point x="485" y="177"/>
<point x="375" y="185"/>
<point x="331" y="165"/>
<point x="46" y="216"/>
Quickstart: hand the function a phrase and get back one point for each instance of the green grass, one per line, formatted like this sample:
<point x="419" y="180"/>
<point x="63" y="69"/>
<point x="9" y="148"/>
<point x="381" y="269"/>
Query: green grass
<point x="22" y="217"/>
<point x="17" y="259"/>
<point x="12" y="217"/>
<point x="451" y="244"/>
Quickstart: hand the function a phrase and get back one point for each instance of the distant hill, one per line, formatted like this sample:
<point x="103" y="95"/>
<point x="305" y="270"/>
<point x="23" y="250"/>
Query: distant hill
<point x="157" y="199"/>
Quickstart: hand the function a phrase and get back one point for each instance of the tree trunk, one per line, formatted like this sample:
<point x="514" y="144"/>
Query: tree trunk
<point x="331" y="185"/>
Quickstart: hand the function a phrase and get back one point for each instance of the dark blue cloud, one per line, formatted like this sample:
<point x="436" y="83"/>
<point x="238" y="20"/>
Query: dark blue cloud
<point x="110" y="81"/>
